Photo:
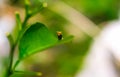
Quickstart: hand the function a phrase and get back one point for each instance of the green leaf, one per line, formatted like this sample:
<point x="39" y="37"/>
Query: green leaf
<point x="38" y="38"/>
<point x="35" y="39"/>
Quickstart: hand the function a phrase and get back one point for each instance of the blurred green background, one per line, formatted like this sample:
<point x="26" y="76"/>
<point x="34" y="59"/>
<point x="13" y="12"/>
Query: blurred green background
<point x="65" y="60"/>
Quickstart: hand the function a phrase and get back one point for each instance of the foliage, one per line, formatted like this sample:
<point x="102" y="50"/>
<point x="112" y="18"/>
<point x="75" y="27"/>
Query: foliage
<point x="66" y="58"/>
<point x="30" y="39"/>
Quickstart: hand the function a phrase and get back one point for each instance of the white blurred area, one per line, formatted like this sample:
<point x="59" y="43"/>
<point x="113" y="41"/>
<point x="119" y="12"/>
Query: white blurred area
<point x="103" y="59"/>
<point x="4" y="45"/>
<point x="7" y="23"/>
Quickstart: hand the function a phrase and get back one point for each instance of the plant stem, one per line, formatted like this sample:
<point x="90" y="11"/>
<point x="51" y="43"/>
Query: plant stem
<point x="10" y="62"/>
<point x="24" y="23"/>
<point x="9" y="71"/>
<point x="22" y="26"/>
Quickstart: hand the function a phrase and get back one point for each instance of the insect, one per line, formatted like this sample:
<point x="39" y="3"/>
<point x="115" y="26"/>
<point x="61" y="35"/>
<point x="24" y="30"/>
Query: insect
<point x="59" y="35"/>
